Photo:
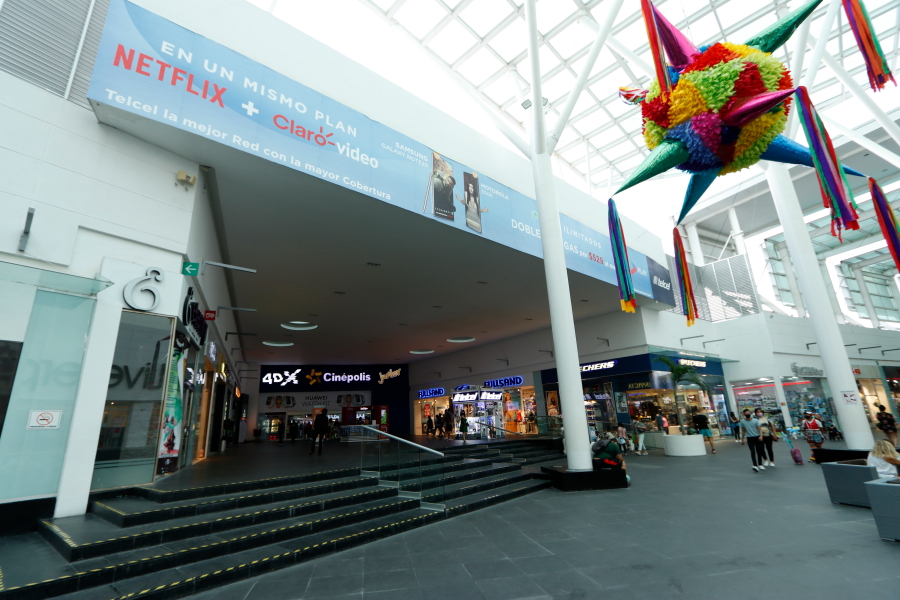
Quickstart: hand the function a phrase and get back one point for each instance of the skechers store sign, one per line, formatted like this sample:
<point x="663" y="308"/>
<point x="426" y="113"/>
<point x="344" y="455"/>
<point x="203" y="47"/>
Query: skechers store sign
<point x="159" y="71"/>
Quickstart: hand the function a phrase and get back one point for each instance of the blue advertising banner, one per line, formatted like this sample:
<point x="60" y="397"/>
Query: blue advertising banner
<point x="154" y="68"/>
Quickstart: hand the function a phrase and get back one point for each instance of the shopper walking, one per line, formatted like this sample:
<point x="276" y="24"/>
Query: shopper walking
<point x="767" y="434"/>
<point x="429" y="427"/>
<point x="887" y="424"/>
<point x="639" y="430"/>
<point x="622" y="439"/>
<point x="292" y="431"/>
<point x="750" y="436"/>
<point x="439" y="425"/>
<point x="320" y="430"/>
<point x="661" y="423"/>
<point x="448" y="423"/>
<point x="701" y="424"/>
<point x="884" y="458"/>
<point x="735" y="428"/>
<point x="814" y="433"/>
<point x="308" y="431"/>
<point x="463" y="426"/>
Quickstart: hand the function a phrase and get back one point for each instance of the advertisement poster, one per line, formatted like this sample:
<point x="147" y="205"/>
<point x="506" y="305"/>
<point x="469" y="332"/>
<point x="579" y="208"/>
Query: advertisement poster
<point x="152" y="68"/>
<point x="170" y="439"/>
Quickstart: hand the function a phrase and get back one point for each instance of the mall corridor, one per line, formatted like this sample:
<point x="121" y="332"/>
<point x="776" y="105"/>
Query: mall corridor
<point x="697" y="528"/>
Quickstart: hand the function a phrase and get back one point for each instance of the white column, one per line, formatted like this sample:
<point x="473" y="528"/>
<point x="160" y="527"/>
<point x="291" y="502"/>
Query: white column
<point x="736" y="234"/>
<point x="832" y="294"/>
<point x="562" y="321"/>
<point x="587" y="167"/>
<point x="694" y="244"/>
<point x="792" y="278"/>
<point x="867" y="297"/>
<point x="87" y="416"/>
<point x="782" y="402"/>
<point x="830" y="342"/>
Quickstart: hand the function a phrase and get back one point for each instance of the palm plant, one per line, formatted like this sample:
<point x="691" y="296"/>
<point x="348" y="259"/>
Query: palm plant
<point x="683" y="374"/>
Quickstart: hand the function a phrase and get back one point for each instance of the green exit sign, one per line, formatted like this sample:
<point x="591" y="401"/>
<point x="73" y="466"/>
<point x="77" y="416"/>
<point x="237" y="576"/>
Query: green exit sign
<point x="190" y="268"/>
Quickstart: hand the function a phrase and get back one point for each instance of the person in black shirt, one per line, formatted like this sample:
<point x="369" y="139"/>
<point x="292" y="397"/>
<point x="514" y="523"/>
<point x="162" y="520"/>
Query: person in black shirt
<point x="320" y="430"/>
<point x="701" y="424"/>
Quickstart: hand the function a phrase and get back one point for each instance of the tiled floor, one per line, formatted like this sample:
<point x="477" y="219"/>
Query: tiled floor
<point x="696" y="528"/>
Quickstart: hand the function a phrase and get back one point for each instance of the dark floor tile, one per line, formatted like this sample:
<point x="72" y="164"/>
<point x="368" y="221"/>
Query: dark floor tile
<point x="390" y="580"/>
<point x="566" y="582"/>
<point x="240" y="590"/>
<point x="335" y="585"/>
<point x="541" y="564"/>
<point x="453" y="591"/>
<point x="338" y="564"/>
<point x="375" y="562"/>
<point x="405" y="594"/>
<point x="492" y="569"/>
<point x="511" y="588"/>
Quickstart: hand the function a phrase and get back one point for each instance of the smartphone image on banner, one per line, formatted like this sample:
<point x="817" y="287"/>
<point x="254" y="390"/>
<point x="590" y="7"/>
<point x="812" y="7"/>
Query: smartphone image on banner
<point x="441" y="187"/>
<point x="472" y="201"/>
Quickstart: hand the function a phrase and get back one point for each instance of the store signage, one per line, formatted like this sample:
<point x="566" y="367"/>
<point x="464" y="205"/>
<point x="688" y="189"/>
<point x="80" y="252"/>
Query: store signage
<point x="598" y="366"/>
<point x="211" y="352"/>
<point x="132" y="293"/>
<point x="209" y="315"/>
<point x="194" y="320"/>
<point x="465" y="397"/>
<point x="505" y="382"/>
<point x="489" y="396"/>
<point x="857" y="371"/>
<point x="640" y="385"/>
<point x="431" y="393"/>
<point x="44" y="419"/>
<point x="382" y="377"/>
<point x="464" y="386"/>
<point x="806" y="371"/>
<point x="691" y="363"/>
<point x="156" y="70"/>
<point x="306" y="402"/>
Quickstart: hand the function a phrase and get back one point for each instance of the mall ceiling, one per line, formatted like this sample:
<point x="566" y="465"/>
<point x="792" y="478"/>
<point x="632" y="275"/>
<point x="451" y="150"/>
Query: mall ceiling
<point x="379" y="281"/>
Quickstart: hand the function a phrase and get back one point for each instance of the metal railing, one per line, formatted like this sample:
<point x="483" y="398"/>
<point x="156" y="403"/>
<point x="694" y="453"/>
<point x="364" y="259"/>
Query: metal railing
<point x="394" y="437"/>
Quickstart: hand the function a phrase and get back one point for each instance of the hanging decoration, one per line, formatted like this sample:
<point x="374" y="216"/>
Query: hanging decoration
<point x="832" y="181"/>
<point x="632" y="96"/>
<point x="887" y="219"/>
<point x="627" y="295"/>
<point x="717" y="109"/>
<point x="688" y="301"/>
<point x="876" y="64"/>
<point x="651" y="23"/>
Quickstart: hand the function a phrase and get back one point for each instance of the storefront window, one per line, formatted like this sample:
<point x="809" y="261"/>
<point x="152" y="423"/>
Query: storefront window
<point x="808" y="394"/>
<point x="127" y="448"/>
<point x="872" y="393"/>
<point x="429" y="408"/>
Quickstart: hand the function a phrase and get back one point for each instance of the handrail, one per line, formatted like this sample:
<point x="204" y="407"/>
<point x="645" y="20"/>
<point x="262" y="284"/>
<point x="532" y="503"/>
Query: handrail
<point x="394" y="437"/>
<point x="508" y="431"/>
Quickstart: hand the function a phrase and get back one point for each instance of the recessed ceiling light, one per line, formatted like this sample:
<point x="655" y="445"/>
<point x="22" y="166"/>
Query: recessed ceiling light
<point x="461" y="340"/>
<point x="435" y="306"/>
<point x="584" y="300"/>
<point x="528" y="319"/>
<point x="299" y="322"/>
<point x="306" y="327"/>
<point x="340" y="293"/>
<point x="374" y="264"/>
<point x="421" y="351"/>
<point x="404" y="324"/>
<point x="313" y="315"/>
<point x="278" y="344"/>
<point x="482" y="282"/>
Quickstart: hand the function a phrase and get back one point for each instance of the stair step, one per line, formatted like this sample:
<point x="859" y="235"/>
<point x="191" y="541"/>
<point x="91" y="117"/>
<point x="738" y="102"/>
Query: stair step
<point x="178" y="579"/>
<point x="87" y="536"/>
<point x="554" y="458"/>
<point x="471" y="502"/>
<point x="427" y="483"/>
<point x="467" y="488"/>
<point x="176" y="495"/>
<point x="131" y="511"/>
<point x="174" y="554"/>
<point x="414" y="473"/>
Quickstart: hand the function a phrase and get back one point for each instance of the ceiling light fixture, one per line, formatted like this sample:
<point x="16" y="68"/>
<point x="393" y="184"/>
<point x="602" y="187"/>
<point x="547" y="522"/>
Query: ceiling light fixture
<point x="482" y="282"/>
<point x="299" y="322"/>
<point x="421" y="351"/>
<point x="374" y="264"/>
<point x="298" y="327"/>
<point x="461" y="340"/>
<point x="341" y="293"/>
<point x="278" y="344"/>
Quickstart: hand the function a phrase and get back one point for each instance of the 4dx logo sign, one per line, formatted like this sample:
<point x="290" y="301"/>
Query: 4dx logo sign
<point x="282" y="380"/>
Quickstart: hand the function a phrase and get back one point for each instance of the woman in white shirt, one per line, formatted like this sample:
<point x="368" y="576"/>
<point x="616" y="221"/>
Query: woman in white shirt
<point x="884" y="458"/>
